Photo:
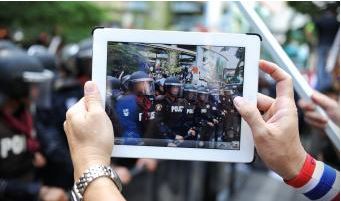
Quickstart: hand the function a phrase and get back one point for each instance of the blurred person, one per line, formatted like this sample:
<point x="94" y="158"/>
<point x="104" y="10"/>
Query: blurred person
<point x="327" y="26"/>
<point x="43" y="39"/>
<point x="73" y="71"/>
<point x="326" y="152"/>
<point x="20" y="149"/>
<point x="329" y="105"/>
<point x="66" y="90"/>
<point x="4" y="33"/>
<point x="84" y="61"/>
<point x="275" y="134"/>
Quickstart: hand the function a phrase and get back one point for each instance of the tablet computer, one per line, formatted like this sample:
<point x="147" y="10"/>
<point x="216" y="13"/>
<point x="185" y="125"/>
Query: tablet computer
<point x="170" y="94"/>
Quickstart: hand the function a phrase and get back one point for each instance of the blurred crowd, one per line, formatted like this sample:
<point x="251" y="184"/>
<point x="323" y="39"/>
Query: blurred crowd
<point x="40" y="81"/>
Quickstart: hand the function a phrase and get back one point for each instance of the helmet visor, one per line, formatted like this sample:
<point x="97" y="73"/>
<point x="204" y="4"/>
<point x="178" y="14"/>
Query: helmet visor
<point x="203" y="97"/>
<point x="190" y="95"/>
<point x="144" y="87"/>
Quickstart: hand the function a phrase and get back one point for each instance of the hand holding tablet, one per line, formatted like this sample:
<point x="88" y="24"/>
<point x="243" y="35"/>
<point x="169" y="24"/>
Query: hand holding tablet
<point x="275" y="132"/>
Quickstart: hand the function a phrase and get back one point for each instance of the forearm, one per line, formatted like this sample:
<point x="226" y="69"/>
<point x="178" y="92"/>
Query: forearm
<point x="102" y="188"/>
<point x="317" y="180"/>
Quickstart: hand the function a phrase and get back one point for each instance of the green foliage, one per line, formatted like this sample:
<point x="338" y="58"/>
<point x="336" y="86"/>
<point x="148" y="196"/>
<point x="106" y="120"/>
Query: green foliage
<point x="73" y="20"/>
<point x="124" y="57"/>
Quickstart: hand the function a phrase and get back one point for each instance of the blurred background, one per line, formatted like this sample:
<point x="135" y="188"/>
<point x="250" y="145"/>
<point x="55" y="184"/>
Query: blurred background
<point x="53" y="41"/>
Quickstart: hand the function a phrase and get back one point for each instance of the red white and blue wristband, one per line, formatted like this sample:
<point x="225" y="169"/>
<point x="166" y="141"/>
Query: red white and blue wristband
<point x="317" y="181"/>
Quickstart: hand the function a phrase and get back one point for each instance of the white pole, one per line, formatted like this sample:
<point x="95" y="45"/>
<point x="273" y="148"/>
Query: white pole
<point x="278" y="54"/>
<point x="213" y="13"/>
<point x="334" y="52"/>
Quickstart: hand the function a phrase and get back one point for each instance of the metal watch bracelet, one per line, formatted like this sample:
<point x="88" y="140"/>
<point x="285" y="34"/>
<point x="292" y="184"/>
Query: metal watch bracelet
<point x="90" y="175"/>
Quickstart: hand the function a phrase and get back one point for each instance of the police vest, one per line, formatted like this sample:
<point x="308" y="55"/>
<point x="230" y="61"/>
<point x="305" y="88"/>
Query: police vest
<point x="15" y="160"/>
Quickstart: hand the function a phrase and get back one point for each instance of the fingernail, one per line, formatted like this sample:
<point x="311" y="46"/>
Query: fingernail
<point x="238" y="101"/>
<point x="89" y="88"/>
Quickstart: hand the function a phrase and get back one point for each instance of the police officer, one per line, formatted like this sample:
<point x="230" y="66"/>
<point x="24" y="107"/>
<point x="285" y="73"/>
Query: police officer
<point x="143" y="87"/>
<point x="215" y="101"/>
<point x="170" y="110"/>
<point x="20" y="148"/>
<point x="231" y="122"/>
<point x="114" y="87"/>
<point x="190" y="98"/>
<point x="136" y="110"/>
<point x="67" y="90"/>
<point x="127" y="112"/>
<point x="204" y="118"/>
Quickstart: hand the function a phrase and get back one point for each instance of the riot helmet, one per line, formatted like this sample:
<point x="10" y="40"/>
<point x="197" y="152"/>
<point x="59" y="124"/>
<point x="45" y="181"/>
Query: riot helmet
<point x="141" y="84"/>
<point x="203" y="94"/>
<point x="18" y="72"/>
<point x="215" y="95"/>
<point x="47" y="59"/>
<point x="84" y="58"/>
<point x="190" y="92"/>
<point x="68" y="58"/>
<point x="8" y="45"/>
<point x="173" y="86"/>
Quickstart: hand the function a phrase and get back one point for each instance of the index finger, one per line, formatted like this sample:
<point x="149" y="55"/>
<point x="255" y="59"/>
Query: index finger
<point x="284" y="86"/>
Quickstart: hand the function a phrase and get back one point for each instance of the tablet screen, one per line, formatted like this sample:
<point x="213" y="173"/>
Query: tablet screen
<point x="170" y="95"/>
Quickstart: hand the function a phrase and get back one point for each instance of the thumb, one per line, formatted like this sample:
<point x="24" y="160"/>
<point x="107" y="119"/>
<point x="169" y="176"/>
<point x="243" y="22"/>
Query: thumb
<point x="250" y="114"/>
<point x="92" y="97"/>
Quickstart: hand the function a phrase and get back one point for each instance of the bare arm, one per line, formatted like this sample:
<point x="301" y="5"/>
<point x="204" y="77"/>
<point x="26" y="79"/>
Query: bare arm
<point x="90" y="136"/>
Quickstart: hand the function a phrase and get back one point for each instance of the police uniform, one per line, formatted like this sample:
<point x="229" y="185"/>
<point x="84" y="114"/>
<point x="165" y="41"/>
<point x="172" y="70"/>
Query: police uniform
<point x="203" y="113"/>
<point x="189" y="119"/>
<point x="217" y="113"/>
<point x="170" y="110"/>
<point x="232" y="118"/>
<point x="190" y="96"/>
<point x="17" y="139"/>
<point x="66" y="91"/>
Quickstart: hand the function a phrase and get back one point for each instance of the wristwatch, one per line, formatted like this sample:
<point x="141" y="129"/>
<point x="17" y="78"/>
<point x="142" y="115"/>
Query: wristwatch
<point x="90" y="175"/>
